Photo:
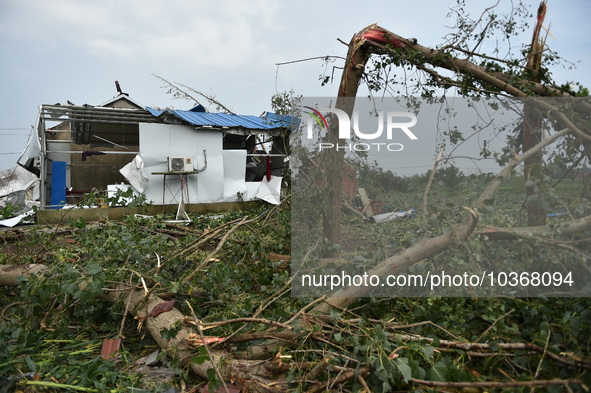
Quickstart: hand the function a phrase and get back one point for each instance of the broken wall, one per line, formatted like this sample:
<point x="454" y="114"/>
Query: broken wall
<point x="222" y="180"/>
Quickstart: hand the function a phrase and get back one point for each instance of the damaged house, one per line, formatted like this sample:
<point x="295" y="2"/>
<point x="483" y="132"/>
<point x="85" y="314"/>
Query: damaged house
<point x="170" y="156"/>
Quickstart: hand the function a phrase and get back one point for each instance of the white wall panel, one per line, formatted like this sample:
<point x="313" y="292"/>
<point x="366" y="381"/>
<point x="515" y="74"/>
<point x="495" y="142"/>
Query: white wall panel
<point x="160" y="141"/>
<point x="234" y="175"/>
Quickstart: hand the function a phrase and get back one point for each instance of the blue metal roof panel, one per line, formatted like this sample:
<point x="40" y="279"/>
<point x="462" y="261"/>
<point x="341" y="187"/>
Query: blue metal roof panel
<point x="227" y="120"/>
<point x="286" y="121"/>
<point x="154" y="112"/>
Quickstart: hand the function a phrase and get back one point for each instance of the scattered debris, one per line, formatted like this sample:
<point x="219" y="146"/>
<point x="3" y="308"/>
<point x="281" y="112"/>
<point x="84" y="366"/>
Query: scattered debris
<point x="133" y="172"/>
<point x="111" y="348"/>
<point x="8" y="383"/>
<point x="18" y="191"/>
<point x="13" y="221"/>
<point x="156" y="376"/>
<point x="385" y="217"/>
<point x="162" y="307"/>
<point x="194" y="340"/>
<point x="152" y="358"/>
<point x="560" y="214"/>
<point x="231" y="389"/>
<point x="18" y="179"/>
<point x="366" y="202"/>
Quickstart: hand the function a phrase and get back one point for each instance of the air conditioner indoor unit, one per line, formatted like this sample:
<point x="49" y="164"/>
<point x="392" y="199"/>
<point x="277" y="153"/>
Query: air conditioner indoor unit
<point x="180" y="164"/>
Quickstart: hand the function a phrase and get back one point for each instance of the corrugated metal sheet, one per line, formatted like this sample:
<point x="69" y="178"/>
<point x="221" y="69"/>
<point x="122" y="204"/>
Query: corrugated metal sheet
<point x="15" y="179"/>
<point x="270" y="121"/>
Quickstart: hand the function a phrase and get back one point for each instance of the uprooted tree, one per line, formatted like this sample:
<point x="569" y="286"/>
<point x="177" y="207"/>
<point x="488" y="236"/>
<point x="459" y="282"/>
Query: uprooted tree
<point x="489" y="77"/>
<point x="264" y="340"/>
<point x="493" y="77"/>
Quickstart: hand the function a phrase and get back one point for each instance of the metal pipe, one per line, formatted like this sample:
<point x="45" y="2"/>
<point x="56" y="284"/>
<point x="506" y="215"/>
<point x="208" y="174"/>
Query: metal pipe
<point x="84" y="109"/>
<point x="43" y="159"/>
<point x="265" y="155"/>
<point x="95" y="121"/>
<point x="106" y="116"/>
<point x="82" y="151"/>
<point x="94" y="165"/>
<point x="112" y="143"/>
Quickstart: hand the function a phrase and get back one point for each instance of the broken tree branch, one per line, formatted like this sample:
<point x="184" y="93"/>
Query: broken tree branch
<point x="427" y="247"/>
<point x="574" y="226"/>
<point x="426" y="193"/>
<point x="469" y="346"/>
<point x="208" y="258"/>
<point x="211" y="358"/>
<point x="344" y="377"/>
<point x="9" y="274"/>
<point x="500" y="385"/>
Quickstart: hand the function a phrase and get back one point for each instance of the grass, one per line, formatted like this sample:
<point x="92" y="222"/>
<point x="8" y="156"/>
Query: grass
<point x="517" y="183"/>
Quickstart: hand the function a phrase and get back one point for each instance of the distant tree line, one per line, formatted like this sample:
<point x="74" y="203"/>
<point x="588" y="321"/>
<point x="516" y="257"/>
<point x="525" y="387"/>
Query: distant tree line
<point x="378" y="181"/>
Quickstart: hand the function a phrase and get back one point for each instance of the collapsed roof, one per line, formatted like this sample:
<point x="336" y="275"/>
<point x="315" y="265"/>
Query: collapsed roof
<point x="71" y="133"/>
<point x="270" y="123"/>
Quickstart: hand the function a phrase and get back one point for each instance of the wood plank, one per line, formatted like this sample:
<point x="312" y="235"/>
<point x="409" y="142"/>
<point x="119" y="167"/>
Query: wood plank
<point x="366" y="202"/>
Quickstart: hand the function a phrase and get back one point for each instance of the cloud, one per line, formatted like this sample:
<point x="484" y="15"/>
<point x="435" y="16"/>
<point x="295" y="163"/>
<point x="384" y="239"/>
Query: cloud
<point x="221" y="34"/>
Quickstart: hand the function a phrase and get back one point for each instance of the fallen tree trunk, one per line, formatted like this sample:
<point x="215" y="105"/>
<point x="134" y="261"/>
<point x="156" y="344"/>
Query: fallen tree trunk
<point x="252" y="375"/>
<point x="9" y="274"/>
<point x="428" y="247"/>
<point x="575" y="226"/>
<point x="375" y="39"/>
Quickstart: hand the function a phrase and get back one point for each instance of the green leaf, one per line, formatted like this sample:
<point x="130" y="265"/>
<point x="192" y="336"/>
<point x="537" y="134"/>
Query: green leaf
<point x="428" y="352"/>
<point x="202" y="357"/>
<point x="94" y="269"/>
<point x="291" y="375"/>
<point x="380" y="334"/>
<point x="31" y="364"/>
<point x="214" y="382"/>
<point x="404" y="368"/>
<point x="335" y="315"/>
<point x="438" y="372"/>
<point x="436" y="342"/>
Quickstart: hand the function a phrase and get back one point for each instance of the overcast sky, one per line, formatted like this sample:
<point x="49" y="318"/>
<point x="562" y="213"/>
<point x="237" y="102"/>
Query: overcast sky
<point x="59" y="50"/>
